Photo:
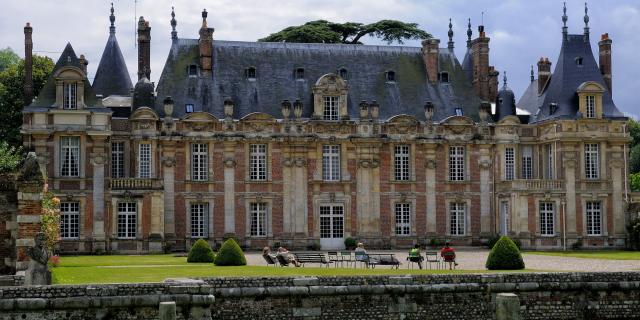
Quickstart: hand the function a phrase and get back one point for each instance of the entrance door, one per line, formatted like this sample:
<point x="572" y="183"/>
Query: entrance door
<point x="331" y="227"/>
<point x="504" y="218"/>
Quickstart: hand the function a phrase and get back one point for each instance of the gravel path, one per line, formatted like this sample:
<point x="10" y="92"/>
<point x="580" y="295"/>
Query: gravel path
<point x="474" y="259"/>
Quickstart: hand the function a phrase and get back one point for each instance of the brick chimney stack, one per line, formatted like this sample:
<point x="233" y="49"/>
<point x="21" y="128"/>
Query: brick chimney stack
<point x="144" y="49"/>
<point x="605" y="60"/>
<point x="28" y="65"/>
<point x="544" y="73"/>
<point x="84" y="63"/>
<point x="481" y="72"/>
<point x="430" y="58"/>
<point x="205" y="43"/>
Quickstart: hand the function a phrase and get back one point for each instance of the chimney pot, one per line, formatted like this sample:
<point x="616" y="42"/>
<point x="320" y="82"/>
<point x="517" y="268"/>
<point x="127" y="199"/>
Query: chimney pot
<point x="604" y="46"/>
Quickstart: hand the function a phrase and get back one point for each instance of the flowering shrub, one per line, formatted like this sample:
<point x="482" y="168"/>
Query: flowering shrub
<point x="50" y="218"/>
<point x="54" y="261"/>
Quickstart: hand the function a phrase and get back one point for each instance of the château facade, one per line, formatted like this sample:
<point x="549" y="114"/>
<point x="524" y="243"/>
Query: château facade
<point x="305" y="144"/>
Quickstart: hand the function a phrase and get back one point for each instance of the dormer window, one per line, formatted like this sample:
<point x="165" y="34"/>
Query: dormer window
<point x="579" y="61"/>
<point x="331" y="107"/>
<point x="70" y="100"/>
<point x="459" y="112"/>
<point x="250" y="73"/>
<point x="299" y="74"/>
<point x="330" y="98"/>
<point x="444" y="77"/>
<point x="590" y="100"/>
<point x="192" y="70"/>
<point x="391" y="76"/>
<point x="342" y="72"/>
<point x="188" y="108"/>
<point x="590" y="106"/>
<point x="552" y="108"/>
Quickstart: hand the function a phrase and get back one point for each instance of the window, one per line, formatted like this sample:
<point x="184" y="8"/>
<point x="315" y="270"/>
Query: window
<point x="258" y="162"/>
<point x="330" y="111"/>
<point x="69" y="98"/>
<point x="69" y="220"/>
<point x="579" y="60"/>
<point x="550" y="167"/>
<point x="594" y="218"/>
<point x="127" y="216"/>
<point x="591" y="163"/>
<point x="331" y="163"/>
<point x="258" y="219"/>
<point x="444" y="77"/>
<point x="591" y="106"/>
<point x="391" y="76"/>
<point x="403" y="219"/>
<point x="192" y="70"/>
<point x="457" y="218"/>
<point x="527" y="162"/>
<point x="70" y="154"/>
<point x="188" y="108"/>
<point x="250" y="73"/>
<point x="547" y="214"/>
<point x="117" y="159"/>
<point x="509" y="163"/>
<point x="331" y="221"/>
<point x="552" y="108"/>
<point x="342" y="72"/>
<point x="144" y="160"/>
<point x="299" y="73"/>
<point x="199" y="220"/>
<point x="459" y="112"/>
<point x="401" y="163"/>
<point x="199" y="162"/>
<point x="456" y="163"/>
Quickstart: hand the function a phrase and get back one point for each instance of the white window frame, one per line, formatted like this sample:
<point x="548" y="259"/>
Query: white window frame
<point x="199" y="220"/>
<point x="457" y="218"/>
<point x="509" y="163"/>
<point x="593" y="216"/>
<point x="144" y="160"/>
<point x="199" y="162"/>
<point x="127" y="220"/>
<point x="70" y="220"/>
<point x="592" y="161"/>
<point x="547" y="214"/>
<point x="258" y="219"/>
<point x="402" y="162"/>
<point x="70" y="96"/>
<point x="331" y="162"/>
<point x="331" y="108"/>
<point x="117" y="159"/>
<point x="590" y="107"/>
<point x="70" y="156"/>
<point x="331" y="221"/>
<point x="403" y="218"/>
<point x="527" y="162"/>
<point x="258" y="162"/>
<point x="456" y="163"/>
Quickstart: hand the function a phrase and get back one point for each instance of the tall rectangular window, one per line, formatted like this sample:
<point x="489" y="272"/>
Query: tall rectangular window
<point x="69" y="97"/>
<point x="550" y="168"/>
<point x="70" y="154"/>
<point x="127" y="220"/>
<point x="456" y="163"/>
<point x="199" y="220"/>
<point x="591" y="161"/>
<point x="199" y="162"/>
<point x="69" y="220"/>
<point x="330" y="111"/>
<point x="401" y="163"/>
<point x="509" y="163"/>
<point x="403" y="219"/>
<point x="591" y="106"/>
<point x="527" y="162"/>
<point x="547" y="215"/>
<point x="258" y="219"/>
<point x="594" y="218"/>
<point x="117" y="159"/>
<point x="331" y="163"/>
<point x="457" y="213"/>
<point x="144" y="160"/>
<point x="258" y="162"/>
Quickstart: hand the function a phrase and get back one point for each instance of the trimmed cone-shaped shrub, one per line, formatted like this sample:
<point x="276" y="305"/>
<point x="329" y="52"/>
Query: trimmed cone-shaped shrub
<point x="230" y="254"/>
<point x="505" y="256"/>
<point x="200" y="252"/>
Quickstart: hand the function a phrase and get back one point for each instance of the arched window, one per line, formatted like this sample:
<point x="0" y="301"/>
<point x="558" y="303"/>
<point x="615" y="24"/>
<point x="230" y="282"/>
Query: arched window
<point x="250" y="73"/>
<point x="342" y="72"/>
<point x="391" y="76"/>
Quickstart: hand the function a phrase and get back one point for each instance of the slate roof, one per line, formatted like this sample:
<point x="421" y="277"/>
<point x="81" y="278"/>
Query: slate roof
<point x="275" y="64"/>
<point x="565" y="80"/>
<point x="530" y="100"/>
<point x="112" y="76"/>
<point x="505" y="103"/>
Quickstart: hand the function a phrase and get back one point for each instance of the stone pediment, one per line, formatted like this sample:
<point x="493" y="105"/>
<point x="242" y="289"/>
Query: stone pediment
<point x="144" y="113"/>
<point x="258" y="116"/>
<point x="259" y="122"/>
<point x="68" y="73"/>
<point x="590" y="86"/>
<point x="459" y="125"/>
<point x="402" y="124"/>
<point x="509" y="120"/>
<point x="331" y="82"/>
<point x="199" y="121"/>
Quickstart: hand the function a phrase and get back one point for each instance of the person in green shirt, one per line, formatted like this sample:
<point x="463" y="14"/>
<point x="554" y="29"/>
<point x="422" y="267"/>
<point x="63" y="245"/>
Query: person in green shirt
<point x="415" y="256"/>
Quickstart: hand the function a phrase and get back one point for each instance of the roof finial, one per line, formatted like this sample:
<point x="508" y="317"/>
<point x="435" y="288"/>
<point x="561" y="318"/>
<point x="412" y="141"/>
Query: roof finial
<point x="564" y="21"/>
<point x="532" y="78"/>
<point x="450" y="35"/>
<point x="504" y="79"/>
<point x="204" y="18"/>
<point x="112" y="18"/>
<point x="174" y="33"/>
<point x="586" y="22"/>
<point x="469" y="33"/>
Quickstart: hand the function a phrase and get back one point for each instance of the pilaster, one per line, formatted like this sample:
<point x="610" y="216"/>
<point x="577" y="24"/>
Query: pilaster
<point x="229" y="188"/>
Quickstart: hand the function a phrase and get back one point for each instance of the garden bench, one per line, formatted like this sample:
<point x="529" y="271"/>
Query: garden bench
<point x="312" y="257"/>
<point x="383" y="259"/>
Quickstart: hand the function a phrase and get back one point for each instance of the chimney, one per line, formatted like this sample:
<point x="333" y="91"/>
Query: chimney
<point x="493" y="83"/>
<point x="544" y="73"/>
<point x="481" y="72"/>
<point x="144" y="49"/>
<point x="205" y="43"/>
<point x="83" y="64"/>
<point x="28" y="65"/>
<point x="430" y="58"/>
<point x="605" y="60"/>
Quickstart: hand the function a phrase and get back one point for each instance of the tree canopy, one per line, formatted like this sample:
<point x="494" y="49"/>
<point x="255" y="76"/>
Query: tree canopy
<point x="12" y="94"/>
<point x="322" y="31"/>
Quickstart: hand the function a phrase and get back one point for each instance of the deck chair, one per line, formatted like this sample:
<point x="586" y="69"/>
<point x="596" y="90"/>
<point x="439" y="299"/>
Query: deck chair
<point x="284" y="262"/>
<point x="450" y="258"/>
<point x="270" y="259"/>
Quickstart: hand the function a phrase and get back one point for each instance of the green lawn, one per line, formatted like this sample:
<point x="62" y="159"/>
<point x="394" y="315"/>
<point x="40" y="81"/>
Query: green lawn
<point x="156" y="268"/>
<point x="605" y="255"/>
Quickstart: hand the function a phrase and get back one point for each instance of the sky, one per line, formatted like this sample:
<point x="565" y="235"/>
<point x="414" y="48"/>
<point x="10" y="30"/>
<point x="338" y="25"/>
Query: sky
<point x="521" y="31"/>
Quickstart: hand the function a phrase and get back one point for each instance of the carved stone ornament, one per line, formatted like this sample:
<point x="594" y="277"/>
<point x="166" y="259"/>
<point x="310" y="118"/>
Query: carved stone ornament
<point x="375" y="163"/>
<point x="287" y="162"/>
<point x="570" y="163"/>
<point x="332" y="197"/>
<point x="169" y="161"/>
<point x="69" y="196"/>
<point x="229" y="163"/>
<point x="430" y="164"/>
<point x="364" y="163"/>
<point x="484" y="164"/>
<point x="199" y="196"/>
<point x="128" y="195"/>
<point x="300" y="162"/>
<point x="38" y="272"/>
<point x="144" y="125"/>
<point x="616" y="163"/>
<point x="98" y="159"/>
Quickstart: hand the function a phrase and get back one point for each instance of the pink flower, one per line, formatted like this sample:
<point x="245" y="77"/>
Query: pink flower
<point x="56" y="201"/>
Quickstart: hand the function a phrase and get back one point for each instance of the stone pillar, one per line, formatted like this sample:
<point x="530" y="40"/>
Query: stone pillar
<point x="431" y="167"/>
<point x="569" y="166"/>
<point x="229" y="187"/>
<point x="30" y="185"/>
<point x="368" y="193"/>
<point x="484" y="162"/>
<point x="294" y="175"/>
<point x="98" y="159"/>
<point x="617" y="177"/>
<point x="168" y="177"/>
<point x="507" y="307"/>
<point x="167" y="310"/>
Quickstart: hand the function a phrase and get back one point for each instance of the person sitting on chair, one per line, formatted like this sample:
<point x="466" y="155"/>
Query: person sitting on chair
<point x="282" y="251"/>
<point x="415" y="256"/>
<point x="448" y="254"/>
